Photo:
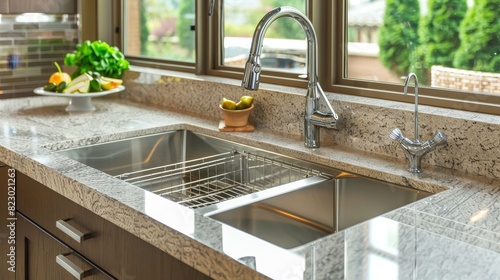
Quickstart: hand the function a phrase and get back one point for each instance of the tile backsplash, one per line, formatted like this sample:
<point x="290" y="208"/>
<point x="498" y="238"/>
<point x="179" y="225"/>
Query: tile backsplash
<point x="29" y="45"/>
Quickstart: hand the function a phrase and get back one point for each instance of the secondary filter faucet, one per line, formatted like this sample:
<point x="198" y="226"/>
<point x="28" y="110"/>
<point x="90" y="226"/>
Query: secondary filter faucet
<point x="314" y="118"/>
<point x="414" y="149"/>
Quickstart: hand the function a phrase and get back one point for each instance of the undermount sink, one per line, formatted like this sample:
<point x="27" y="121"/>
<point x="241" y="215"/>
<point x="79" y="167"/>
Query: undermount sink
<point x="298" y="213"/>
<point x="284" y="200"/>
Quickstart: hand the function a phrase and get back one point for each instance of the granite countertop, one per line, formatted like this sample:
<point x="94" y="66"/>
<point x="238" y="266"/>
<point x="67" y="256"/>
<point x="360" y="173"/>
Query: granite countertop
<point x="454" y="234"/>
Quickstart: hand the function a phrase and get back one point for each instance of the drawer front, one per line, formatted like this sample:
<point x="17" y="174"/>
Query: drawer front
<point x="115" y="250"/>
<point x="41" y="256"/>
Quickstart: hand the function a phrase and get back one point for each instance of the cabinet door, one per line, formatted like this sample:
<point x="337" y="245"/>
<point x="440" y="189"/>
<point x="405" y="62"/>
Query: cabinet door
<point x="47" y="6"/>
<point x="40" y="256"/>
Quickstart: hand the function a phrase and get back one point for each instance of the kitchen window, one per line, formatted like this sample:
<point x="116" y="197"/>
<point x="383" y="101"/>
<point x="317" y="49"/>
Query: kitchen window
<point x="366" y="47"/>
<point x="160" y="31"/>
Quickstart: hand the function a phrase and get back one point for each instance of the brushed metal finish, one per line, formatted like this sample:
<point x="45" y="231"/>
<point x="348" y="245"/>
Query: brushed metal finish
<point x="72" y="268"/>
<point x="72" y="232"/>
<point x="290" y="213"/>
<point x="292" y="218"/>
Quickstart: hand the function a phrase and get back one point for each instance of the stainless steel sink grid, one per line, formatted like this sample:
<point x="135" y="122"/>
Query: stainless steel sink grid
<point x="213" y="179"/>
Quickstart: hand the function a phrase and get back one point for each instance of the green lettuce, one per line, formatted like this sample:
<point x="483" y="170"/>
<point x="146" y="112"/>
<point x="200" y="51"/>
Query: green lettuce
<point x="97" y="57"/>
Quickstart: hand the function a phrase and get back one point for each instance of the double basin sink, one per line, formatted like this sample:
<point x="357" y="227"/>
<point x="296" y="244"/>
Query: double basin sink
<point x="283" y="200"/>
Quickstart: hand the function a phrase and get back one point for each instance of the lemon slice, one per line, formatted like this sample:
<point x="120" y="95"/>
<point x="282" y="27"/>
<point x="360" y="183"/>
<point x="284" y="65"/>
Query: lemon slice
<point x="110" y="83"/>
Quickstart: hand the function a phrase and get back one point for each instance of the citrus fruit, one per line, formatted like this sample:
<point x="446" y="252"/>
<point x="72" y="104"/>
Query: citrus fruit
<point x="246" y="102"/>
<point x="59" y="76"/>
<point x="110" y="83"/>
<point x="228" y="104"/>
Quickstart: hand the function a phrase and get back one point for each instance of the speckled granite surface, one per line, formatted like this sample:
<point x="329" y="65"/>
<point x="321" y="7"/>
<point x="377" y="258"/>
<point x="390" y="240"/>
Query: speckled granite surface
<point x="451" y="235"/>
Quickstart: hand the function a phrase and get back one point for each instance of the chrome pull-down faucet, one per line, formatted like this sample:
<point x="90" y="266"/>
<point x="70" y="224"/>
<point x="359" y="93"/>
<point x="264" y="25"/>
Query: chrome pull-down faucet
<point x="314" y="118"/>
<point x="415" y="150"/>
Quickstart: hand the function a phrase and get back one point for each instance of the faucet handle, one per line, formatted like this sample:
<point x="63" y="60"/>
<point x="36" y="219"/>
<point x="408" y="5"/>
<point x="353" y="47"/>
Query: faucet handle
<point x="439" y="139"/>
<point x="323" y="119"/>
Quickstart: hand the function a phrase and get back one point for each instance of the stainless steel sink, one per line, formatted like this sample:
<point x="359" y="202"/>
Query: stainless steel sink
<point x="295" y="214"/>
<point x="284" y="200"/>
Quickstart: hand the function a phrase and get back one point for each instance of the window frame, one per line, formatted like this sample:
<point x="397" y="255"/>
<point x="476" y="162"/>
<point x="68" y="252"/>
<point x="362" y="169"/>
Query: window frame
<point x="332" y="50"/>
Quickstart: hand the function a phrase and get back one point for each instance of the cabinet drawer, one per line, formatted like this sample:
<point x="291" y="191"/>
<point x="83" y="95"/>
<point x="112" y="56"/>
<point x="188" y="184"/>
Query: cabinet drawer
<point x="113" y="249"/>
<point x="40" y="256"/>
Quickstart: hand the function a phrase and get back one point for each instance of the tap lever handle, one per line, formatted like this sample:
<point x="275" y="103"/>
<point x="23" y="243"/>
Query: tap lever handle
<point x="323" y="119"/>
<point x="439" y="139"/>
<point x="327" y="103"/>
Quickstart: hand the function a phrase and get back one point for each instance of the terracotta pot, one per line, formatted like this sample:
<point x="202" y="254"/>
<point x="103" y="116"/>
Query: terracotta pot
<point x="236" y="118"/>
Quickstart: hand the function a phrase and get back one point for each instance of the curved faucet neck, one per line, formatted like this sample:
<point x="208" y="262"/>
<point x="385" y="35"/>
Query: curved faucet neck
<point x="258" y="39"/>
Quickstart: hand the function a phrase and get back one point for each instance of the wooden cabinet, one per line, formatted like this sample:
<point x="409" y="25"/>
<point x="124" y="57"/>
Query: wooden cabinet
<point x="37" y="6"/>
<point x="88" y="239"/>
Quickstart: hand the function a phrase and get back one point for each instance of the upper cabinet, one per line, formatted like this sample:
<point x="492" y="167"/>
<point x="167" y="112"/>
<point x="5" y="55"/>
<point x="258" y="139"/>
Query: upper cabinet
<point x="37" y="6"/>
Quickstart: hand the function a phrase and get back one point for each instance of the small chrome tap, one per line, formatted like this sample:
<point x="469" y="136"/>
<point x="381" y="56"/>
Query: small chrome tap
<point x="313" y="118"/>
<point x="415" y="150"/>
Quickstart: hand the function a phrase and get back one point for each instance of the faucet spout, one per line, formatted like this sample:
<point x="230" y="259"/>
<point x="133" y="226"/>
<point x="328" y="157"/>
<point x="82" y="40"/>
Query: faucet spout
<point x="313" y="117"/>
<point x="405" y="88"/>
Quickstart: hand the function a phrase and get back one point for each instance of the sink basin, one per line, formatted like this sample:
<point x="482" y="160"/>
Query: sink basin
<point x="295" y="214"/>
<point x="284" y="200"/>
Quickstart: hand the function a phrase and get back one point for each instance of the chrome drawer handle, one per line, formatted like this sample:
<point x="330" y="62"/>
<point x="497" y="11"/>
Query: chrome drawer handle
<point x="71" y="231"/>
<point x="72" y="268"/>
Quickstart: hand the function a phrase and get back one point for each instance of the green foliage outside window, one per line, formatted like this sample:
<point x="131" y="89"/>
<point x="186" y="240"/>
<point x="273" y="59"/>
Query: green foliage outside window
<point x="439" y="33"/>
<point x="480" y="38"/>
<point x="144" y="27"/>
<point x="287" y="27"/>
<point x="249" y="17"/>
<point x="398" y="36"/>
<point x="183" y="26"/>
